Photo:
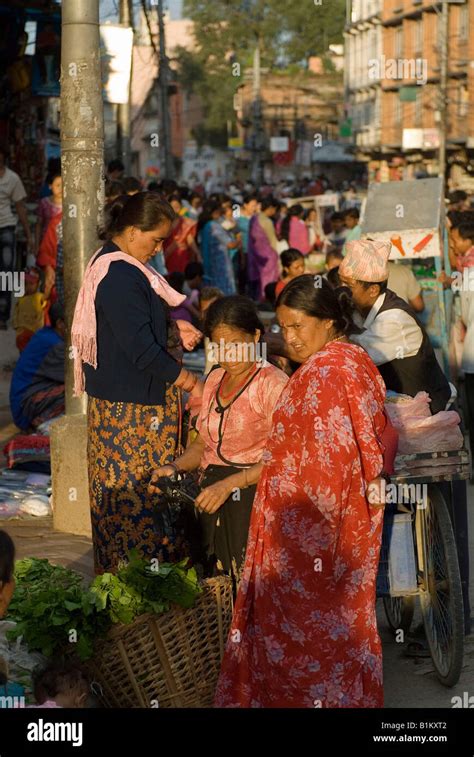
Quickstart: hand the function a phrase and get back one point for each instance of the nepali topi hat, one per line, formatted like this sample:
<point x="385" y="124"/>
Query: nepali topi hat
<point x="366" y="260"/>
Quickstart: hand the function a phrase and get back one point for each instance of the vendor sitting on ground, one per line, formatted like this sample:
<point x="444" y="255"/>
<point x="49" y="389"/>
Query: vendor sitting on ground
<point x="37" y="387"/>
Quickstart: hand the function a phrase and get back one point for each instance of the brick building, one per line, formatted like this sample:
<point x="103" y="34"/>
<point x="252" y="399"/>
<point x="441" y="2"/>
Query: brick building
<point x="393" y="53"/>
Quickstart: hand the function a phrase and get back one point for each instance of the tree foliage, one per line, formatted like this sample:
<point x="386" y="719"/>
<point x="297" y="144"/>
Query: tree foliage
<point x="226" y="31"/>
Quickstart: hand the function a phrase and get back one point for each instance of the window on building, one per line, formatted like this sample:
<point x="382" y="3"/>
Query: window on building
<point x="367" y="113"/>
<point x="399" y="42"/>
<point x="30" y="30"/>
<point x="377" y="109"/>
<point x="418" y="37"/>
<point x="419" y="108"/>
<point x="356" y="10"/>
<point x="373" y="44"/>
<point x="398" y="109"/>
<point x="464" y="23"/>
<point x="463" y="101"/>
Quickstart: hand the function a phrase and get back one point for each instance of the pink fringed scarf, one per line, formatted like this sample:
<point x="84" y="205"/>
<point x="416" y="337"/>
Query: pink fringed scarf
<point x="84" y="325"/>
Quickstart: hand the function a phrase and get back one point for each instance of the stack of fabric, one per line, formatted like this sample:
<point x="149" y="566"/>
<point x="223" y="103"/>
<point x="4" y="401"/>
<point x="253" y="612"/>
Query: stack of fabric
<point x="28" y="452"/>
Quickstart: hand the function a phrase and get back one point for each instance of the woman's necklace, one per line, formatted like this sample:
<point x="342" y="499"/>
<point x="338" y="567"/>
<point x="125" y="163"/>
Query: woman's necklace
<point x="337" y="339"/>
<point x="235" y="390"/>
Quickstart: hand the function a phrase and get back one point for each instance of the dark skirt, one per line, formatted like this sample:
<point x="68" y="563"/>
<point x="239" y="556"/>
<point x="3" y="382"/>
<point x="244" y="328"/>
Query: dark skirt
<point x="225" y="532"/>
<point x="123" y="437"/>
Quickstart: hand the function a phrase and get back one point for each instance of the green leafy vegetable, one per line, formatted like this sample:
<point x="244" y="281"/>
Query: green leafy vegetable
<point x="53" y="609"/>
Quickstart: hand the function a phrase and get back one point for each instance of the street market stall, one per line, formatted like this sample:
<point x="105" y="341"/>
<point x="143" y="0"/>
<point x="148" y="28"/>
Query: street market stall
<point x="411" y="215"/>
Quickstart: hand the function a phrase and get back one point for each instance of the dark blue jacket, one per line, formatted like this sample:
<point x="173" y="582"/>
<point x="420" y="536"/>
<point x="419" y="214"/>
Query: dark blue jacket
<point x="132" y="362"/>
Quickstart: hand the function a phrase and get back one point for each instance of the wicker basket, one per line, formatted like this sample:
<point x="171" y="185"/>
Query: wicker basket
<point x="169" y="660"/>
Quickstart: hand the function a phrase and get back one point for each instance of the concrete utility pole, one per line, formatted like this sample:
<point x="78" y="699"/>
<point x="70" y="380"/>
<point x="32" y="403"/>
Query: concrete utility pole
<point x="82" y="161"/>
<point x="443" y="87"/>
<point x="82" y="153"/>
<point x="123" y="109"/>
<point x="166" y="156"/>
<point x="258" y="136"/>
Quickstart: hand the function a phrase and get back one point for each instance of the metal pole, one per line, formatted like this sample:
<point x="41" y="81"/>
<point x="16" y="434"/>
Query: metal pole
<point x="443" y="88"/>
<point x="82" y="155"/>
<point x="257" y="168"/>
<point x="123" y="109"/>
<point x="166" y="160"/>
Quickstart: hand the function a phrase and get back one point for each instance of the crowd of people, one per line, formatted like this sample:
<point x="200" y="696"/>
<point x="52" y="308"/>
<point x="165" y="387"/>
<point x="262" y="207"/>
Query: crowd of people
<point x="286" y="432"/>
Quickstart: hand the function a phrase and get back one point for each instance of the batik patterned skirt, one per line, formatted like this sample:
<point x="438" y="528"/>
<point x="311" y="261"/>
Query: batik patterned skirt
<point x="126" y="442"/>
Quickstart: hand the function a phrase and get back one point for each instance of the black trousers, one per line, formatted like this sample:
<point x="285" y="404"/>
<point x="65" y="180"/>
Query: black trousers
<point x="225" y="532"/>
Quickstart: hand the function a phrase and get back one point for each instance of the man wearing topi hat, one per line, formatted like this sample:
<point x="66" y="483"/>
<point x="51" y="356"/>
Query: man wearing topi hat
<point x="400" y="348"/>
<point x="394" y="339"/>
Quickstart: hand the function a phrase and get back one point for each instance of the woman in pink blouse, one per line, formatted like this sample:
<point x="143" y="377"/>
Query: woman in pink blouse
<point x="294" y="230"/>
<point x="233" y="426"/>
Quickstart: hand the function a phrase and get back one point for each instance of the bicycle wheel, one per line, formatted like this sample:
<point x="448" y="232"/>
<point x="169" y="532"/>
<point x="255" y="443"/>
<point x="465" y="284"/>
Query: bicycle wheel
<point x="399" y="612"/>
<point x="440" y="587"/>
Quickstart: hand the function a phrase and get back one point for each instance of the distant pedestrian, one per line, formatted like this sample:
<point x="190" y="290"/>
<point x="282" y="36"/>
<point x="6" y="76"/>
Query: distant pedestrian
<point x="262" y="261"/>
<point x="12" y="192"/>
<point x="115" y="170"/>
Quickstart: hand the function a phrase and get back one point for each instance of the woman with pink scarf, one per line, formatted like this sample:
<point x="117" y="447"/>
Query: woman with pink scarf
<point x="127" y="353"/>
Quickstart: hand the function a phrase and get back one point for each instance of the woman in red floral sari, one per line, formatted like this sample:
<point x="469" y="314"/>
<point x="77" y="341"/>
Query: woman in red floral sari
<point x="180" y="246"/>
<point x="304" y="631"/>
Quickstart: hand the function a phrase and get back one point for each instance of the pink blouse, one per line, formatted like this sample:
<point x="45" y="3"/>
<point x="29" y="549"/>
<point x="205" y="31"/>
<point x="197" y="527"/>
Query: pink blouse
<point x="245" y="426"/>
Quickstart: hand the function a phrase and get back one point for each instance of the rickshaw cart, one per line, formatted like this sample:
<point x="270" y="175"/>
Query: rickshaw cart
<point x="430" y="538"/>
<point x="411" y="215"/>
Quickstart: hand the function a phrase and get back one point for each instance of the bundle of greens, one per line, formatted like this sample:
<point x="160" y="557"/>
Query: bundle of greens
<point x="53" y="609"/>
<point x="138" y="588"/>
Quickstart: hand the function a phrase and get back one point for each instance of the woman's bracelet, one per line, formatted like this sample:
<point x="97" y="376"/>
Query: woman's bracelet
<point x="188" y="383"/>
<point x="246" y="483"/>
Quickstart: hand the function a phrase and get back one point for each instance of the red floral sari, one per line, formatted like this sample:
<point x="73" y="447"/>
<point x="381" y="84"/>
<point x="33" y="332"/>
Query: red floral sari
<point x="176" y="248"/>
<point x="304" y="631"/>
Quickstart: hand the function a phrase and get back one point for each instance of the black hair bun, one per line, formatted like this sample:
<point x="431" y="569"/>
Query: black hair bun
<point x="112" y="214"/>
<point x="346" y="304"/>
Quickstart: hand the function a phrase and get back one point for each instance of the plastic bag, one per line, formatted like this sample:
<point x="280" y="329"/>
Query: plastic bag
<point x="419" y="430"/>
<point x="438" y="433"/>
<point x="400" y="407"/>
<point x="37" y="504"/>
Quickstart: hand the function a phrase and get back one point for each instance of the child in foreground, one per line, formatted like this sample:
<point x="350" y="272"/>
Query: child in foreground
<point x="11" y="694"/>
<point x="60" y="685"/>
<point x="7" y="564"/>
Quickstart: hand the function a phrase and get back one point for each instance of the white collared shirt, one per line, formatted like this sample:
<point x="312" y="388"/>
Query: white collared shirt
<point x="467" y="316"/>
<point x="389" y="336"/>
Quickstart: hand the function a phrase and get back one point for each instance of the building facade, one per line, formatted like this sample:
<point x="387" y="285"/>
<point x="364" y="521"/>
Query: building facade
<point x="393" y="66"/>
